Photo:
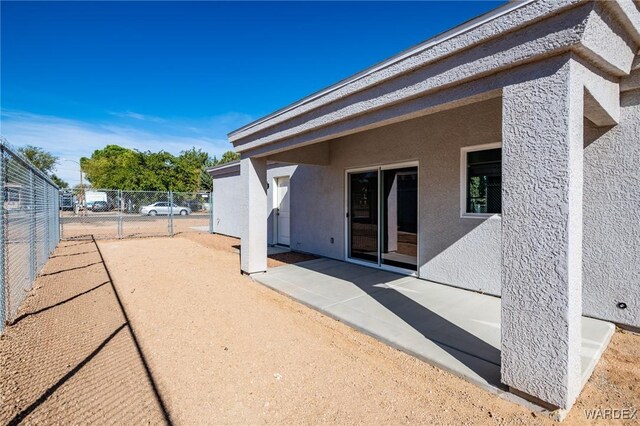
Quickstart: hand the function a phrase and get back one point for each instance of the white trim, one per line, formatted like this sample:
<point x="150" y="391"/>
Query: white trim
<point x="378" y="265"/>
<point x="399" y="165"/>
<point x="463" y="180"/>
<point x="276" y="205"/>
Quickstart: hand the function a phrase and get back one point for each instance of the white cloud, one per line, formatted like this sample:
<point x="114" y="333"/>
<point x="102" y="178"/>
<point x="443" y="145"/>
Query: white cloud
<point x="137" y="116"/>
<point x="72" y="139"/>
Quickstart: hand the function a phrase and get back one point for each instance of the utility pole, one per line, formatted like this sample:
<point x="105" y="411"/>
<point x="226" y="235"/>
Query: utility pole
<point x="84" y="210"/>
<point x="81" y="193"/>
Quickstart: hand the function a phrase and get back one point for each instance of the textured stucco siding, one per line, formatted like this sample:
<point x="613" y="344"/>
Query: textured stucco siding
<point x="527" y="36"/>
<point x="612" y="217"/>
<point x="229" y="206"/>
<point x="447" y="242"/>
<point x="466" y="252"/>
<point x="542" y="181"/>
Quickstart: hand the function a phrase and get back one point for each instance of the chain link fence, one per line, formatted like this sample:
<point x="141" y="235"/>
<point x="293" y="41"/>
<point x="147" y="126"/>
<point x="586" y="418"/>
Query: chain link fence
<point x="115" y="213"/>
<point x="29" y="227"/>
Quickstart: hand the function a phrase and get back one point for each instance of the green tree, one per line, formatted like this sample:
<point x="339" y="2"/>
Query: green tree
<point x="206" y="181"/>
<point x="122" y="168"/>
<point x="190" y="166"/>
<point x="228" y="157"/>
<point x="115" y="167"/>
<point x="43" y="160"/>
<point x="58" y="181"/>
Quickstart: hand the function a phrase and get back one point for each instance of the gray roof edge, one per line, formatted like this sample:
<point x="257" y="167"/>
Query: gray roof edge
<point x="223" y="168"/>
<point x="439" y="38"/>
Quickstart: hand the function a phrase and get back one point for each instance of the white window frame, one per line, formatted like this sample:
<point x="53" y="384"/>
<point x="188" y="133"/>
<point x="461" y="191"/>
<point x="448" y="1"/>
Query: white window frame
<point x="463" y="180"/>
<point x="378" y="265"/>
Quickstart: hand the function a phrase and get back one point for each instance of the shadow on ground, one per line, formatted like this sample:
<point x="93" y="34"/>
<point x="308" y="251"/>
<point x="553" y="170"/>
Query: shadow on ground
<point x="71" y="352"/>
<point x="282" y="258"/>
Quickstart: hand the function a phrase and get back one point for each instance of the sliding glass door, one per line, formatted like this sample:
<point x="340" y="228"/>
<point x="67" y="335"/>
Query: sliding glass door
<point x="399" y="207"/>
<point x="363" y="216"/>
<point x="382" y="212"/>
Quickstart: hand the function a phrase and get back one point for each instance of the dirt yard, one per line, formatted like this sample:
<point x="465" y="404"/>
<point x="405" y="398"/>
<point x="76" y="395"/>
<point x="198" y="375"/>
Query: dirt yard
<point x="106" y="225"/>
<point x="194" y="342"/>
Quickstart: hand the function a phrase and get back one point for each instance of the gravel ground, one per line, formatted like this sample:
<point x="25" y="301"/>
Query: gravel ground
<point x="106" y="226"/>
<point x="222" y="349"/>
<point x="232" y="245"/>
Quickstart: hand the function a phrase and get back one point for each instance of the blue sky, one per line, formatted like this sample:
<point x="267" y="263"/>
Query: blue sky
<point x="171" y="75"/>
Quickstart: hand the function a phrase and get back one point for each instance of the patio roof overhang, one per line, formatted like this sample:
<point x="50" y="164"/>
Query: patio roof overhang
<point x="553" y="63"/>
<point x="468" y="63"/>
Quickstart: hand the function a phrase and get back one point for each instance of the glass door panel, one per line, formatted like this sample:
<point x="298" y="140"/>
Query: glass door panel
<point x="363" y="215"/>
<point x="399" y="207"/>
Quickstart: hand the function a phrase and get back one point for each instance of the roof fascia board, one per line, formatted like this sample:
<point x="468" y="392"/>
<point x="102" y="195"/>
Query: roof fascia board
<point x="478" y="90"/>
<point x="502" y="53"/>
<point x="607" y="42"/>
<point x="628" y="14"/>
<point x="223" y="168"/>
<point x="501" y="21"/>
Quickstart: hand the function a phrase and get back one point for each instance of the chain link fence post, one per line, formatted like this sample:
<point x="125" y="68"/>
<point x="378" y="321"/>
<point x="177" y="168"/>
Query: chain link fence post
<point x="120" y="207"/>
<point x="170" y="198"/>
<point x="58" y="234"/>
<point x="45" y="236"/>
<point x="32" y="228"/>
<point x="3" y="241"/>
<point x="60" y="212"/>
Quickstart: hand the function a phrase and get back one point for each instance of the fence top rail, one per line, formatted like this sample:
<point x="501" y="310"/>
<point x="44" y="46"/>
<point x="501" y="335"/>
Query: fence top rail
<point x="5" y="146"/>
<point x="91" y="189"/>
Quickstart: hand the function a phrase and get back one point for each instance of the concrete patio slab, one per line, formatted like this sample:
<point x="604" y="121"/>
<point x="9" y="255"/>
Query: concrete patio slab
<point x="454" y="329"/>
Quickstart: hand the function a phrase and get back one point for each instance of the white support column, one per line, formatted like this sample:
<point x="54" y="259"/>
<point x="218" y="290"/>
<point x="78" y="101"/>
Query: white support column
<point x="542" y="134"/>
<point x="253" y="251"/>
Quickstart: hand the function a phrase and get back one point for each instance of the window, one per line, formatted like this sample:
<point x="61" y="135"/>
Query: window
<point x="482" y="180"/>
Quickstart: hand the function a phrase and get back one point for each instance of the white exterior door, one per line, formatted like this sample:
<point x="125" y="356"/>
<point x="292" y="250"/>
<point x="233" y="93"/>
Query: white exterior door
<point x="283" y="212"/>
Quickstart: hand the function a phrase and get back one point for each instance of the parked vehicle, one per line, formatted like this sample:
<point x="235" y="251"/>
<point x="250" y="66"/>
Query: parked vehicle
<point x="91" y="197"/>
<point x="164" y="208"/>
<point x="194" y="205"/>
<point x="100" y="206"/>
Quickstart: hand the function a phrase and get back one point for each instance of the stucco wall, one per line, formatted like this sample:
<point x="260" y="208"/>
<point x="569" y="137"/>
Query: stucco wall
<point x="466" y="252"/>
<point x="447" y="241"/>
<point x="611" y="268"/>
<point x="460" y="251"/>
<point x="229" y="203"/>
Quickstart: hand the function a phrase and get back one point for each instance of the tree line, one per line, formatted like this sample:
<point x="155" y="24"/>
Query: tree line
<point x="116" y="167"/>
<point x="44" y="161"/>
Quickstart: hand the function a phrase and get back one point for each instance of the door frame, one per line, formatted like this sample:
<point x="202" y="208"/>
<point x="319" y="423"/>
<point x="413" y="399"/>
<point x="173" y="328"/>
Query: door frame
<point x="276" y="205"/>
<point x="379" y="168"/>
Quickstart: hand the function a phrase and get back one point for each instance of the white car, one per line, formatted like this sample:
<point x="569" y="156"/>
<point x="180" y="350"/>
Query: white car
<point x="164" y="208"/>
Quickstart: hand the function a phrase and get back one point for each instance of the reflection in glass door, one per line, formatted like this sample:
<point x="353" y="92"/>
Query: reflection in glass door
<point x="363" y="216"/>
<point x="383" y="217"/>
<point x="399" y="206"/>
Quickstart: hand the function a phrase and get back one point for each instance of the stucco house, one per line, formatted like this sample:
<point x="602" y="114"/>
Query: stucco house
<point x="502" y="156"/>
